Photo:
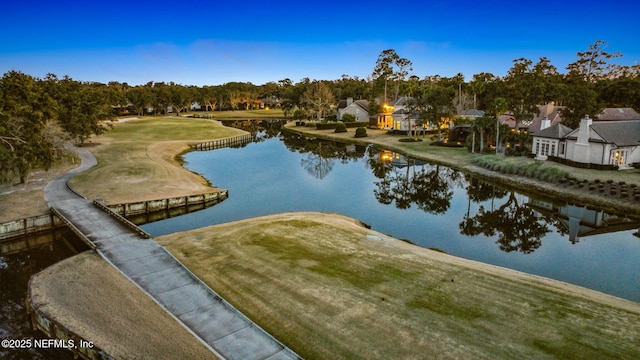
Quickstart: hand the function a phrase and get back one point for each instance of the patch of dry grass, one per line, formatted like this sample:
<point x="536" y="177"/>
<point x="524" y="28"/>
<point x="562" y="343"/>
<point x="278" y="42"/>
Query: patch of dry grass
<point x="91" y="298"/>
<point x="329" y="288"/>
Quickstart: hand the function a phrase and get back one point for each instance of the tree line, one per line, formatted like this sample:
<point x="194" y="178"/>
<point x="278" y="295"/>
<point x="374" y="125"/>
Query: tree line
<point x="38" y="115"/>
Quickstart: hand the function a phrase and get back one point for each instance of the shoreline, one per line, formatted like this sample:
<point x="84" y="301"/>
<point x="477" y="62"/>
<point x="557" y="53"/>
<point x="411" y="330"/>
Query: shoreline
<point x="524" y="184"/>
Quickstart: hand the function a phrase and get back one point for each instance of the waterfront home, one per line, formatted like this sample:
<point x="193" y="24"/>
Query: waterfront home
<point x="359" y="109"/>
<point x="611" y="144"/>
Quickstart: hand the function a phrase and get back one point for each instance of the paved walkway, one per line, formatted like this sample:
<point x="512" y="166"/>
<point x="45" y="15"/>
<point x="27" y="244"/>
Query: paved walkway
<point x="224" y="329"/>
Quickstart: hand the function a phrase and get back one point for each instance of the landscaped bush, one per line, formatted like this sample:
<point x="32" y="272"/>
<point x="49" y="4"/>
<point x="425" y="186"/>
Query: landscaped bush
<point x="348" y="118"/>
<point x="332" y="125"/>
<point x="341" y="127"/>
<point x="531" y="170"/>
<point x="300" y="114"/>
<point x="361" y="132"/>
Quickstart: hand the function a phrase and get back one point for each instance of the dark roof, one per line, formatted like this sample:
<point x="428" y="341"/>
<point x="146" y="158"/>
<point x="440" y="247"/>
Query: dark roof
<point x="364" y="104"/>
<point x="621" y="133"/>
<point x="557" y="131"/>
<point x="617" y="114"/>
<point x="473" y="112"/>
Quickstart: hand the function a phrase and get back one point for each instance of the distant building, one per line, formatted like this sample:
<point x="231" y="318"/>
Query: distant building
<point x="359" y="109"/>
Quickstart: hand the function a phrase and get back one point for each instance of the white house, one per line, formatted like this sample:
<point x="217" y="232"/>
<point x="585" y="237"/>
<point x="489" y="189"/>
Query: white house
<point x="549" y="140"/>
<point x="594" y="144"/>
<point x="359" y="109"/>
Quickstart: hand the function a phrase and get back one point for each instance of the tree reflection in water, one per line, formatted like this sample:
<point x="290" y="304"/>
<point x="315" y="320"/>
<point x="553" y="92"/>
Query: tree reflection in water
<point x="517" y="225"/>
<point x="406" y="182"/>
<point x="428" y="187"/>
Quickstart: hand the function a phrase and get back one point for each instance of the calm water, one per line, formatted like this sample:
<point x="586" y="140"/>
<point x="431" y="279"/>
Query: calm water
<point x="432" y="206"/>
<point x="15" y="271"/>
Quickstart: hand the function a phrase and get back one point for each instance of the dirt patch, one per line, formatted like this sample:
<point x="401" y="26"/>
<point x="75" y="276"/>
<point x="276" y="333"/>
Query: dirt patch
<point x="19" y="201"/>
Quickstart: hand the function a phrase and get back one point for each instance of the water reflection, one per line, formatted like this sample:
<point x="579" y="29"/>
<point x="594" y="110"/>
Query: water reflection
<point x="433" y="206"/>
<point x="518" y="224"/>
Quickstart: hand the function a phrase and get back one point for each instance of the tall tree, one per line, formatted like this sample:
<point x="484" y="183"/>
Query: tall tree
<point x="579" y="87"/>
<point x="83" y="108"/>
<point x="25" y="110"/>
<point x="319" y="98"/>
<point x="439" y="106"/>
<point x="384" y="69"/>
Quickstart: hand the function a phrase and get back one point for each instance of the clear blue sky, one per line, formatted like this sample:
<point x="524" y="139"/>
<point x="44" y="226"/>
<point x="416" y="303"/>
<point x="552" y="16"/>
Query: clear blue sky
<point x="213" y="42"/>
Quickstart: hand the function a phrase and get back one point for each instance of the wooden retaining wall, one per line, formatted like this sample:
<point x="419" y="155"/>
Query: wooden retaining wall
<point x="80" y="347"/>
<point x="151" y="206"/>
<point x="28" y="226"/>
<point x="133" y="227"/>
<point x="222" y="143"/>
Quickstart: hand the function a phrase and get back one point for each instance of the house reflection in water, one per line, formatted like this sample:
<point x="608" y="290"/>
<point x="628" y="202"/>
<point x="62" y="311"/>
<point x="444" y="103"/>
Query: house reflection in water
<point x="580" y="221"/>
<point x="398" y="160"/>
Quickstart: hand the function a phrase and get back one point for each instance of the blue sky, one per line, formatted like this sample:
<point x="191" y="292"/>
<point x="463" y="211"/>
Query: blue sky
<point x="210" y="43"/>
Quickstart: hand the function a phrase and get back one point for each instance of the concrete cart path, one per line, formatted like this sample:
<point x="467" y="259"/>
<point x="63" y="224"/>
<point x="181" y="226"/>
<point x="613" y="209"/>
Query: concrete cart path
<point x="219" y="325"/>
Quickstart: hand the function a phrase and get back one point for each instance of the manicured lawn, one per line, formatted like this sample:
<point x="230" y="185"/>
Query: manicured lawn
<point x="137" y="160"/>
<point x="329" y="288"/>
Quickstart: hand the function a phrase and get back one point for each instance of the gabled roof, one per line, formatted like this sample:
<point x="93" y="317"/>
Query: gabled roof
<point x="364" y="104"/>
<point x="557" y="131"/>
<point x="401" y="101"/>
<point x="621" y="133"/>
<point x="550" y="111"/>
<point x="617" y="114"/>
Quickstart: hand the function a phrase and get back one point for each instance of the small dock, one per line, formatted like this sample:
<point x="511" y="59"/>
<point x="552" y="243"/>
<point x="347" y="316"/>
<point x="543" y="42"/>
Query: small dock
<point x="218" y="325"/>
<point x="235" y="141"/>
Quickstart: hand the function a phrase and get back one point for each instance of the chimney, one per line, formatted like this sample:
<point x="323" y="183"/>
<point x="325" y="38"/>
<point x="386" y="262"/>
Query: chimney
<point x="584" y="130"/>
<point x="581" y="150"/>
<point x="349" y="101"/>
<point x="545" y="123"/>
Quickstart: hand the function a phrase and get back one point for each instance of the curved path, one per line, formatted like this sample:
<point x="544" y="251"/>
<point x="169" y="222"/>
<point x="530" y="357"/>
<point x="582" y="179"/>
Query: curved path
<point x="226" y="331"/>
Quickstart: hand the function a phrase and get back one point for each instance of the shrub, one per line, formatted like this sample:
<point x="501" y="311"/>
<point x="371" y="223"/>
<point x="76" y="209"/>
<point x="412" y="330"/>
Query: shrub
<point x="361" y="132"/>
<point x="300" y="114"/>
<point x="340" y="127"/>
<point x="348" y="118"/>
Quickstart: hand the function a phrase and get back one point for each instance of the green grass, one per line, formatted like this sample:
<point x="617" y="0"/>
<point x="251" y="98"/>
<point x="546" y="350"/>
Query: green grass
<point x="137" y="159"/>
<point x="328" y="291"/>
<point x="247" y="114"/>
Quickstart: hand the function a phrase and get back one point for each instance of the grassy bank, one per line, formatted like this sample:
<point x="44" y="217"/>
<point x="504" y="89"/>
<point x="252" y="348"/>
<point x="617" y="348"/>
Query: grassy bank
<point x="244" y="114"/>
<point x="537" y="182"/>
<point x="329" y="288"/>
<point x="92" y="299"/>
<point x="137" y="160"/>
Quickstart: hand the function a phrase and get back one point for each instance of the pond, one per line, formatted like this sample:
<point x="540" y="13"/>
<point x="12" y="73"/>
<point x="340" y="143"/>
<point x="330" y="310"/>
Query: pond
<point x="430" y="205"/>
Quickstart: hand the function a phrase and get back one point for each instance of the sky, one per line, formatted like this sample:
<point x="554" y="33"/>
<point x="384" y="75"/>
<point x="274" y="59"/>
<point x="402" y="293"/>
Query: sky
<point x="200" y="43"/>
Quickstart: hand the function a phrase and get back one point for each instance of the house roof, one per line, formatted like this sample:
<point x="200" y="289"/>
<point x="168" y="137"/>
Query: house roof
<point x="621" y="133"/>
<point x="364" y="104"/>
<point x="550" y="111"/>
<point x="473" y="112"/>
<point x="557" y="131"/>
<point x="401" y="101"/>
<point x="617" y="114"/>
